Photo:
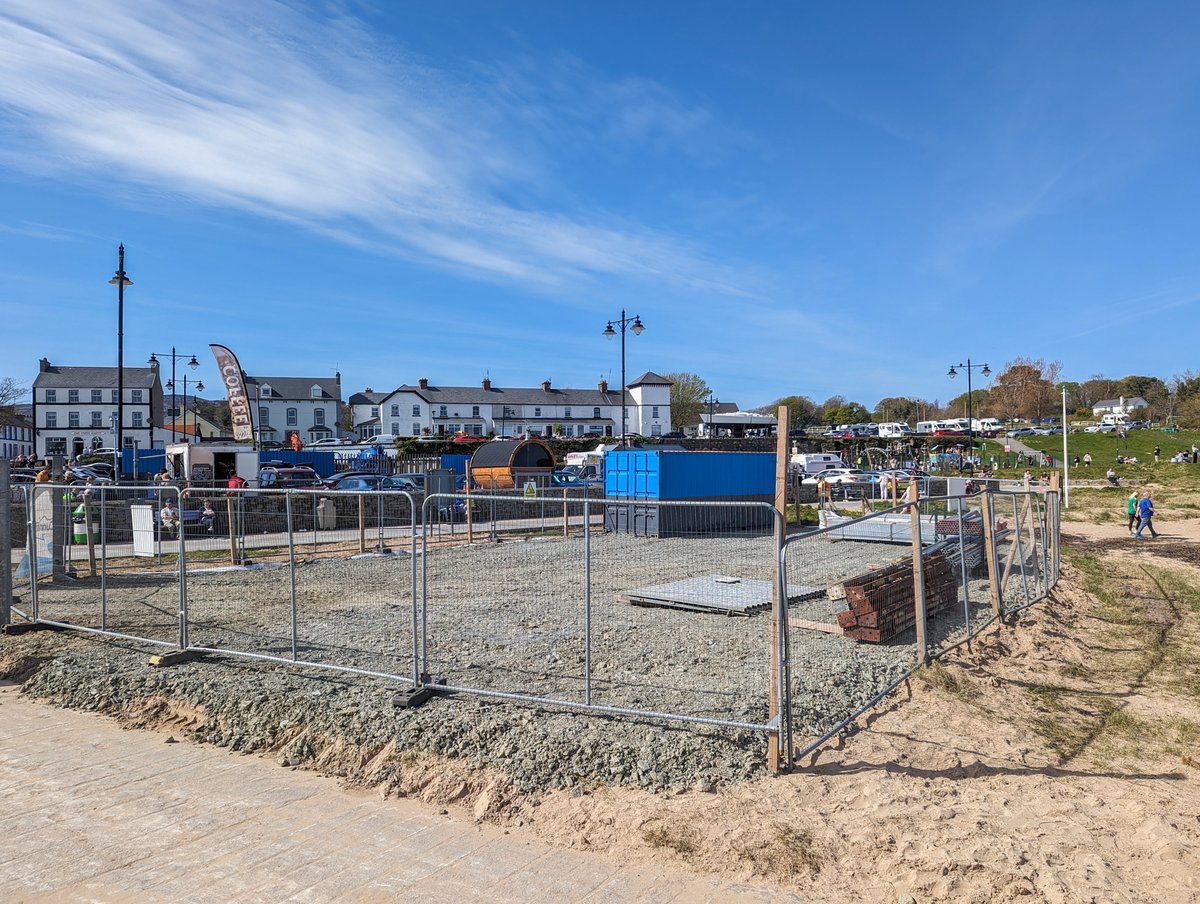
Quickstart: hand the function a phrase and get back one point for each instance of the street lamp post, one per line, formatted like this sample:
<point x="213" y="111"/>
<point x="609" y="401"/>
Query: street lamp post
<point x="633" y="323"/>
<point x="193" y="364"/>
<point x="983" y="369"/>
<point x="712" y="401"/>
<point x="197" y="388"/>
<point x="120" y="280"/>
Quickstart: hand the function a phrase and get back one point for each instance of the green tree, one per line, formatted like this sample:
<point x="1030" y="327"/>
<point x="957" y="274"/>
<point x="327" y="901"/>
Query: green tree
<point x="802" y="410"/>
<point x="1152" y="389"/>
<point x="1026" y="388"/>
<point x="688" y="394"/>
<point x="958" y="407"/>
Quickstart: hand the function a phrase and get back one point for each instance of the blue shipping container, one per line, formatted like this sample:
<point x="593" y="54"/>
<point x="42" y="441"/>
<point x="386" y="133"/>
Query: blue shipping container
<point x="653" y="474"/>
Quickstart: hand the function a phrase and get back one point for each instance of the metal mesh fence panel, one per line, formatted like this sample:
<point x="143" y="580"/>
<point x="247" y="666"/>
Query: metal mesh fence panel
<point x="1021" y="565"/>
<point x="851" y="617"/>
<point x="505" y="613"/>
<point x="104" y="560"/>
<point x="19" y="557"/>
<point x="680" y="608"/>
<point x="957" y="590"/>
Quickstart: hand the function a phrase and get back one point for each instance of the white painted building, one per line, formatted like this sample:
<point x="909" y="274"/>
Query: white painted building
<point x="75" y="408"/>
<point x="1119" y="406"/>
<point x="309" y="406"/>
<point x="16" y="431"/>
<point x="364" y="413"/>
<point x="486" y="410"/>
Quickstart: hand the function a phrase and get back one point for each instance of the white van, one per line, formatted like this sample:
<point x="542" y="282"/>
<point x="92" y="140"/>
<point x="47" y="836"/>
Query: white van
<point x="812" y="462"/>
<point x="894" y="430"/>
<point x="927" y="428"/>
<point x="987" y="425"/>
<point x="1114" y="420"/>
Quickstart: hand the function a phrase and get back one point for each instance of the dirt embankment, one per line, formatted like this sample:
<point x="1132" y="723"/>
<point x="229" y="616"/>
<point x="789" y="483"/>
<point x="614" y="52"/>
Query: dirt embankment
<point x="1055" y="761"/>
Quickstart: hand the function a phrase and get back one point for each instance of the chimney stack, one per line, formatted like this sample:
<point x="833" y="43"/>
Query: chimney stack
<point x="44" y="365"/>
<point x="545" y="386"/>
<point x="423" y="383"/>
<point x="603" y="385"/>
<point x="487" y="384"/>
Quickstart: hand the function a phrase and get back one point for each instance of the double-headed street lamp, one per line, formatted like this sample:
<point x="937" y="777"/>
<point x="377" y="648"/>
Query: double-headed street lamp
<point x="193" y="364"/>
<point x="968" y="367"/>
<point x="120" y="280"/>
<point x="633" y="323"/>
<point x="712" y="402"/>
<point x="197" y="388"/>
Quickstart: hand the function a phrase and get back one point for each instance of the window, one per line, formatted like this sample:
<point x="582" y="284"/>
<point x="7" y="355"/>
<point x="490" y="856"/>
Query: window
<point x="654" y="411"/>
<point x="116" y="398"/>
<point x="97" y="396"/>
<point x="130" y="442"/>
<point x="567" y="411"/>
<point x="72" y="418"/>
<point x="453" y="428"/>
<point x="442" y="411"/>
<point x="52" y="419"/>
<point x="655" y="430"/>
<point x="56" y="445"/>
<point x="96" y="419"/>
<point x="315" y="392"/>
<point x="537" y="412"/>
<point x="474" y="411"/>
<point x="416" y="411"/>
<point x="72" y="396"/>
<point x="374" y="411"/>
<point x="596" y="412"/>
<point x="137" y="419"/>
<point x="52" y="398"/>
<point x="416" y="430"/>
<point x="395" y="411"/>
<point x="292" y="418"/>
<point x="263" y="419"/>
<point x="319" y="417"/>
<point x="136" y="397"/>
<point x="567" y="430"/>
<point x="595" y="428"/>
<point x="476" y="430"/>
<point x="395" y="428"/>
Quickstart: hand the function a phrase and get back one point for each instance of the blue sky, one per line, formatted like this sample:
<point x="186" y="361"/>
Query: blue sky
<point x="796" y="198"/>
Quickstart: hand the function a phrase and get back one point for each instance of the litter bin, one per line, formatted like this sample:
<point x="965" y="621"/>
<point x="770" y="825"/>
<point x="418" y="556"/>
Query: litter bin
<point x="79" y="520"/>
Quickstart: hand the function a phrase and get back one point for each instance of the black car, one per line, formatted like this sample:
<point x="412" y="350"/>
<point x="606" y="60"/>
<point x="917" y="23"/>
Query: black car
<point x="673" y="435"/>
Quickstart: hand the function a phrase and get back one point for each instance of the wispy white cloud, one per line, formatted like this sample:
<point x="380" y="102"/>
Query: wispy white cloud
<point x="310" y="119"/>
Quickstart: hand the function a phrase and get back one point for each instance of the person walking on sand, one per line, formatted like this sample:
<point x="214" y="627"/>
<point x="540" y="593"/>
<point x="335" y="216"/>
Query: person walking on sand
<point x="1131" y="509"/>
<point x="1145" y="517"/>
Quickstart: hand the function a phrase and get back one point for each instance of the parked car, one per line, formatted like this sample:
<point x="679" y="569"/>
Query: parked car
<point x="843" y="481"/>
<point x="1022" y="431"/>
<point x="1101" y="428"/>
<point x="328" y="441"/>
<point x="276" y="478"/>
<point x="81" y="473"/>
<point x="673" y="435"/>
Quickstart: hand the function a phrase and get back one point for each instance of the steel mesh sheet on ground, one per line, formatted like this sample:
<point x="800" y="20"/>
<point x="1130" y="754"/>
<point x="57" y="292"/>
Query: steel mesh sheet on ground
<point x="833" y="675"/>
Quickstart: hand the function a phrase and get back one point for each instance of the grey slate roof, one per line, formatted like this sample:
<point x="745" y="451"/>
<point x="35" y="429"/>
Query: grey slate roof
<point x="293" y="387"/>
<point x="650" y="378"/>
<point x="56" y="377"/>
<point x="367" y="397"/>
<point x="477" y="395"/>
<point x="1134" y="402"/>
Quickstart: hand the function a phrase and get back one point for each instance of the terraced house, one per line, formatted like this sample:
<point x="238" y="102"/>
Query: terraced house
<point x="427" y="409"/>
<point x="75" y="408"/>
<point x="310" y="406"/>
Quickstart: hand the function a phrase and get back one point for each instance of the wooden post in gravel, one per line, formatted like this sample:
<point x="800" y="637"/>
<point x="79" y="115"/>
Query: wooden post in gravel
<point x="778" y="605"/>
<point x="914" y="493"/>
<point x="87" y="525"/>
<point x="232" y="530"/>
<point x="989" y="552"/>
<point x="1051" y="542"/>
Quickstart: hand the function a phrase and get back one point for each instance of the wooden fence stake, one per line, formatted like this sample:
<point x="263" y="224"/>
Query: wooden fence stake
<point x="232" y="530"/>
<point x="87" y="523"/>
<point x="914" y="494"/>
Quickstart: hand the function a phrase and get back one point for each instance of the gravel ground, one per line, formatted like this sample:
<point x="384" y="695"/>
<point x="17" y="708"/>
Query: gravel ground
<point x="506" y="617"/>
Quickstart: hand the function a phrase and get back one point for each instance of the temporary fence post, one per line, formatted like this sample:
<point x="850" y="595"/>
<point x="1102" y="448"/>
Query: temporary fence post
<point x="232" y="530"/>
<point x="181" y="561"/>
<point x="35" y="570"/>
<point x="467" y="486"/>
<point x="989" y="551"/>
<point x="104" y="559"/>
<point x="412" y="532"/>
<point x="778" y="598"/>
<point x="566" y="515"/>
<point x="914" y="509"/>
<point x="6" y="546"/>
<point x="291" y="566"/>
<point x="587" y="602"/>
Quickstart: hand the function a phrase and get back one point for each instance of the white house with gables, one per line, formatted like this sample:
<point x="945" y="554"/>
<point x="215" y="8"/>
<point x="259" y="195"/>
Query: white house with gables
<point x="486" y="410"/>
<point x="1119" y="406"/>
<point x="309" y="406"/>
